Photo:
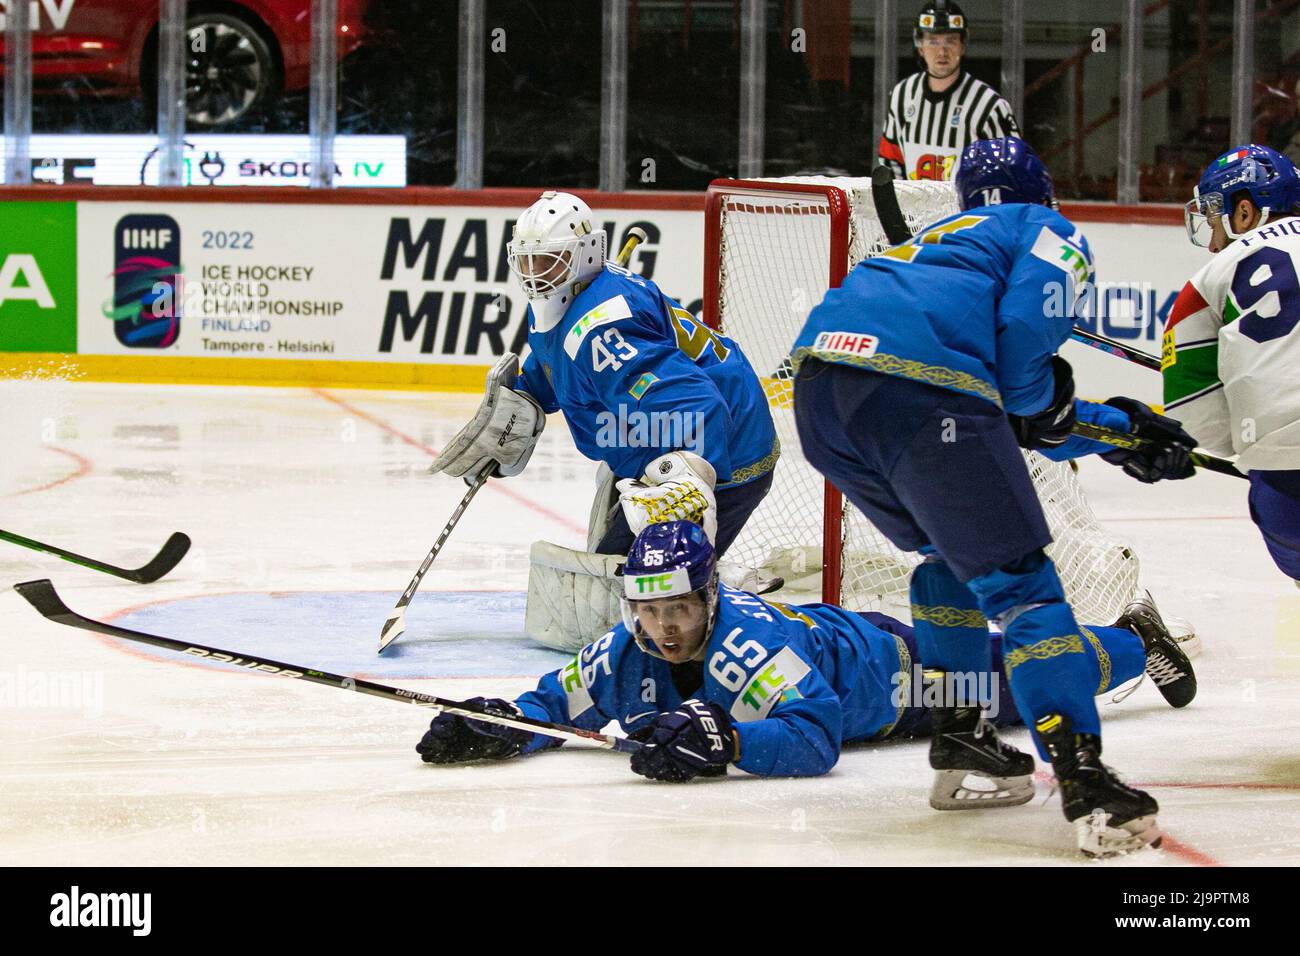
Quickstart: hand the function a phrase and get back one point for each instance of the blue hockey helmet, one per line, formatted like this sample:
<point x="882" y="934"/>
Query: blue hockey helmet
<point x="670" y="560"/>
<point x="1264" y="174"/>
<point x="1006" y="170"/>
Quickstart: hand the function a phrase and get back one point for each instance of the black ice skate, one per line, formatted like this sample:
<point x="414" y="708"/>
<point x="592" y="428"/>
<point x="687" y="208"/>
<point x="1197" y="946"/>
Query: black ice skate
<point x="973" y="769"/>
<point x="1109" y="818"/>
<point x="1167" y="664"/>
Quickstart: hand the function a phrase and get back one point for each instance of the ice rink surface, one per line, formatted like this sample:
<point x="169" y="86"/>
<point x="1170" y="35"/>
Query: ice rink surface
<point x="310" y="510"/>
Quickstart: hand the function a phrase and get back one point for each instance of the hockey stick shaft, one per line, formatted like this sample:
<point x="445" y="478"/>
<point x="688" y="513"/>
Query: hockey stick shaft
<point x="1121" y="440"/>
<point x="42" y="596"/>
<point x="1118" y="349"/>
<point x="167" y="558"/>
<point x="635" y="236"/>
<point x="395" y="624"/>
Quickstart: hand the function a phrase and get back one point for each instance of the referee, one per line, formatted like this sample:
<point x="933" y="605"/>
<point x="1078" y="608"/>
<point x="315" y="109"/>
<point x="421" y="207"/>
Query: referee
<point x="935" y="113"/>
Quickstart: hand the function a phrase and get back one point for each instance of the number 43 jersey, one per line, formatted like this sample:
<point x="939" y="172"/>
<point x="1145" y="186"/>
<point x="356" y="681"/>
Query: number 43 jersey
<point x="637" y="376"/>
<point x="1231" y="353"/>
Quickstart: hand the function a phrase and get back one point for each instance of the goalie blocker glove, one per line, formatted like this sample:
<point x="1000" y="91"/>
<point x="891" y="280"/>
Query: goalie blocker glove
<point x="1167" y="459"/>
<point x="694" y="739"/>
<point x="504" y="430"/>
<point x="1052" y="426"/>
<point x="677" y="486"/>
<point x="454" y="739"/>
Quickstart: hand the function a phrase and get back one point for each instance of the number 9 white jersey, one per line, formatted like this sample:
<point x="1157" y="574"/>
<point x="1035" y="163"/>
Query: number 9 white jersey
<point x="1231" y="354"/>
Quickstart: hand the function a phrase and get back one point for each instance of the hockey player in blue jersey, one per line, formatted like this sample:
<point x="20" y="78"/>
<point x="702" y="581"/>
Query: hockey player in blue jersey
<point x="918" y="381"/>
<point x="709" y="676"/>
<point x="672" y="409"/>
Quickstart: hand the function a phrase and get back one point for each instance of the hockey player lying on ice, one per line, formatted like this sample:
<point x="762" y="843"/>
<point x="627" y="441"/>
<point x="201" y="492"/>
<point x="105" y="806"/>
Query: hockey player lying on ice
<point x="709" y="676"/>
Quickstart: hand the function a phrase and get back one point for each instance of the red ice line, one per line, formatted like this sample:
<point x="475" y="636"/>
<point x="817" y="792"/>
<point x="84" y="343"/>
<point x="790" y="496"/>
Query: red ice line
<point x="84" y="468"/>
<point x="496" y="486"/>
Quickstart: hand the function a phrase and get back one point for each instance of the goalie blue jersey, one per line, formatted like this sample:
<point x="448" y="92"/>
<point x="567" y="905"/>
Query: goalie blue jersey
<point x="637" y="376"/>
<point x="977" y="303"/>
<point x="797" y="681"/>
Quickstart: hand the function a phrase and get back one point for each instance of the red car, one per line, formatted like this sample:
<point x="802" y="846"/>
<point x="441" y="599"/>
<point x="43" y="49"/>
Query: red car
<point x="240" y="51"/>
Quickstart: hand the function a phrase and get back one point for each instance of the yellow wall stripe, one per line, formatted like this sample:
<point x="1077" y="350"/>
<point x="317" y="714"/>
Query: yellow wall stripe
<point x="203" y="370"/>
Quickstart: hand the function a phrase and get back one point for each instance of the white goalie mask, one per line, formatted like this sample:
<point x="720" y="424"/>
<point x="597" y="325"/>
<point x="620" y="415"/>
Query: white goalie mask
<point x="555" y="248"/>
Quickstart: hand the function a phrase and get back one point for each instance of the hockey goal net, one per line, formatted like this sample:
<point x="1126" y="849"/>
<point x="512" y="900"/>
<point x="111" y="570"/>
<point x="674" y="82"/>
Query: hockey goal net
<point x="772" y="249"/>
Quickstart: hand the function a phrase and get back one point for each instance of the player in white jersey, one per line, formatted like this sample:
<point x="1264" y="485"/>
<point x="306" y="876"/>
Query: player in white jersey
<point x="1231" y="353"/>
<point x="935" y="113"/>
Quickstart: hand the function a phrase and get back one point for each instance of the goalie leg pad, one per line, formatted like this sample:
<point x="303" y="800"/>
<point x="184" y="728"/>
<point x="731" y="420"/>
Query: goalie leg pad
<point x="573" y="596"/>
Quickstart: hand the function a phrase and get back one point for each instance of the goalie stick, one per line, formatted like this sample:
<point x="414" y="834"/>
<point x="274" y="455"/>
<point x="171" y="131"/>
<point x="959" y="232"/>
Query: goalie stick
<point x="42" y="596"/>
<point x="897" y="231"/>
<point x="172" y="551"/>
<point x="396" y="624"/>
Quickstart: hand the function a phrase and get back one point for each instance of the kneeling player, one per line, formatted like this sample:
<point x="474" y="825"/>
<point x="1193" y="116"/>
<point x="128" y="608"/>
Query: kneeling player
<point x="709" y="676"/>
<point x="918" y="381"/>
<point x="666" y="404"/>
<point x="1231" y="356"/>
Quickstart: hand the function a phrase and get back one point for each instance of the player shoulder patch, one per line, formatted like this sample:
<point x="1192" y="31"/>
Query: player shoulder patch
<point x="1061" y="253"/>
<point x="642" y="383"/>
<point x="776" y="681"/>
<point x="611" y="310"/>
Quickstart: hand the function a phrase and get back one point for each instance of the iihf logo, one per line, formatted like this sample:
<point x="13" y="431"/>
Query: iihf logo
<point x="146" y="303"/>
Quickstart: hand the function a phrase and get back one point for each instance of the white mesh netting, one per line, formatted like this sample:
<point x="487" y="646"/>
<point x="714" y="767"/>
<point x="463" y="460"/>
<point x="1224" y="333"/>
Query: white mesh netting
<point x="774" y="266"/>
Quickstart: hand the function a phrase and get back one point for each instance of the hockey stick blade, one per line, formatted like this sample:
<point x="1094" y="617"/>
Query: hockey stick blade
<point x="42" y="596"/>
<point x="176" y="548"/>
<point x="396" y="623"/>
<point x="887" y="208"/>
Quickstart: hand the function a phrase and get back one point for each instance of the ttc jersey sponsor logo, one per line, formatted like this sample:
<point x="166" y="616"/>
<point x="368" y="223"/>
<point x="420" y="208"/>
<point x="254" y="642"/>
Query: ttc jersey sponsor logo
<point x="146" y="303"/>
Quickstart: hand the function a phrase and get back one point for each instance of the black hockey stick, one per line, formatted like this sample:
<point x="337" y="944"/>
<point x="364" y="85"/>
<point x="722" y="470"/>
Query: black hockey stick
<point x="887" y="209"/>
<point x="1118" y="349"/>
<point x="1121" y="440"/>
<point x="42" y="596"/>
<point x="896" y="231"/>
<point x="166" y="559"/>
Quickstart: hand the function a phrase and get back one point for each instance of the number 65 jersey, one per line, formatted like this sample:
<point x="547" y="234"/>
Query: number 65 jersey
<point x="798" y="681"/>
<point x="1231" y="354"/>
<point x="638" y="376"/>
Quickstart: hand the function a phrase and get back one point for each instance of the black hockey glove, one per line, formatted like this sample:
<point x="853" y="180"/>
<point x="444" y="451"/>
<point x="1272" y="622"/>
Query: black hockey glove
<point x="453" y="739"/>
<point x="694" y="739"/>
<point x="1166" y="459"/>
<point x="1052" y="426"/>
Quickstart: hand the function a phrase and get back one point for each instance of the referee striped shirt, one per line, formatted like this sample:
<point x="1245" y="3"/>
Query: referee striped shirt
<point x="925" y="131"/>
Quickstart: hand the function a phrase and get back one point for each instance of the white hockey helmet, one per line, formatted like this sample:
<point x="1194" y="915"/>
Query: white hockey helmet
<point x="554" y="246"/>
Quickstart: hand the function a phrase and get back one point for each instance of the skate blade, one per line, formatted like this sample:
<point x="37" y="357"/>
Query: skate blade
<point x="1184" y="635"/>
<point x="1099" y="840"/>
<point x="967" y="790"/>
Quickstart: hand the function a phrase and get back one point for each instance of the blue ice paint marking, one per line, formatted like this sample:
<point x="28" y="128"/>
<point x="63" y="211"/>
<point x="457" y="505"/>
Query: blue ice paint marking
<point x="448" y="633"/>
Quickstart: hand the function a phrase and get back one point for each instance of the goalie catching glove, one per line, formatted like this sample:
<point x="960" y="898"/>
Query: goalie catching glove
<point x="503" y="431"/>
<point x="677" y="486"/>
